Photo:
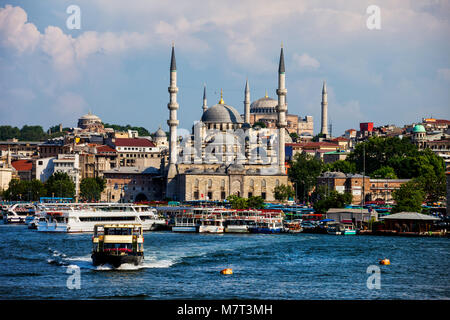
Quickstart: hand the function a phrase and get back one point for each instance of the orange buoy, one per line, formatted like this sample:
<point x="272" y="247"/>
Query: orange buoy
<point x="226" y="271"/>
<point x="385" y="262"/>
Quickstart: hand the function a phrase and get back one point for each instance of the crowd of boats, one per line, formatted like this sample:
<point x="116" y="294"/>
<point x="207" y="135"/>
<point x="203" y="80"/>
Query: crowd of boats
<point x="83" y="217"/>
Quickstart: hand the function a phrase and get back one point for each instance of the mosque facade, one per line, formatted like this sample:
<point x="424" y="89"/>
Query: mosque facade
<point x="224" y="155"/>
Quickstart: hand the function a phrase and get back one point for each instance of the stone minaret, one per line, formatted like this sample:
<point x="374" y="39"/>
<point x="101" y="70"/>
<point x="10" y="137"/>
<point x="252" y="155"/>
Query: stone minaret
<point x="173" y="123"/>
<point x="247" y="103"/>
<point x="205" y="105"/>
<point x="281" y="124"/>
<point x="324" y="127"/>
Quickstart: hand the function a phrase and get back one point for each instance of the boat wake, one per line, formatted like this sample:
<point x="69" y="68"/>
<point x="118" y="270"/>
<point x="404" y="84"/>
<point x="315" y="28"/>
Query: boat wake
<point x="85" y="262"/>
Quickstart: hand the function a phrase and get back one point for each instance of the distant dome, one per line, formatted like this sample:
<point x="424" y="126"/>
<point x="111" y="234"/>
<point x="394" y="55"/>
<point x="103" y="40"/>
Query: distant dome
<point x="264" y="105"/>
<point x="418" y="128"/>
<point x="160" y="133"/>
<point x="221" y="113"/>
<point x="90" y="116"/>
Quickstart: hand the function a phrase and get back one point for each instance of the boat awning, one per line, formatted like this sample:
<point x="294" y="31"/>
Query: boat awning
<point x="326" y="220"/>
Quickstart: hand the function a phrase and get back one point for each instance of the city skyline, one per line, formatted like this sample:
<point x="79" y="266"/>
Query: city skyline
<point x="116" y="65"/>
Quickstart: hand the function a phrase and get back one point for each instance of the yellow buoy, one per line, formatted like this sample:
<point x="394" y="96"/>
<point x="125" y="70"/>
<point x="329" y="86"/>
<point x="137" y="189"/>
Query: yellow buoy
<point x="385" y="262"/>
<point x="226" y="271"/>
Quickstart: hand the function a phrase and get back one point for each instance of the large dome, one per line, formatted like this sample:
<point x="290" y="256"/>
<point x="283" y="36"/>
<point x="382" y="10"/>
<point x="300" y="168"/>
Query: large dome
<point x="90" y="116"/>
<point x="221" y="113"/>
<point x="264" y="105"/>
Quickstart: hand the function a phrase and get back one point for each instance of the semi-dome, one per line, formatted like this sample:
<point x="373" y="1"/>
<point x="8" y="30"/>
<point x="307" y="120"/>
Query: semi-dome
<point x="418" y="128"/>
<point x="221" y="113"/>
<point x="264" y="105"/>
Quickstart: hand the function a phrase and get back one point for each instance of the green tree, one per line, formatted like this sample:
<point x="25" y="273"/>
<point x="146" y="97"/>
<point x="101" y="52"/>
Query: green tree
<point x="385" y="172"/>
<point x="141" y="130"/>
<point x="60" y="185"/>
<point x="331" y="199"/>
<point x="25" y="190"/>
<point x="409" y="197"/>
<point x="255" y="202"/>
<point x="340" y="166"/>
<point x="304" y="170"/>
<point x="91" y="188"/>
<point x="237" y="202"/>
<point x="283" y="192"/>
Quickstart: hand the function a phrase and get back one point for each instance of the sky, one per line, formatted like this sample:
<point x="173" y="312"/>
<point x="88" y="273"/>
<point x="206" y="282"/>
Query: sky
<point x="117" y="64"/>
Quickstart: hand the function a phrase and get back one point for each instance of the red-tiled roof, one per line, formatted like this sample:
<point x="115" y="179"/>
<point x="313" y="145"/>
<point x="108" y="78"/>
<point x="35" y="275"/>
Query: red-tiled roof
<point x="133" y="142"/>
<point x="340" y="139"/>
<point x="312" y="145"/>
<point x="105" y="149"/>
<point x="22" y="165"/>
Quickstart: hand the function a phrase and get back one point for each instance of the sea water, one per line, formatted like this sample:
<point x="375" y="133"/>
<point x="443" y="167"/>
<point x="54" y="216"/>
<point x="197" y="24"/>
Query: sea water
<point x="36" y="265"/>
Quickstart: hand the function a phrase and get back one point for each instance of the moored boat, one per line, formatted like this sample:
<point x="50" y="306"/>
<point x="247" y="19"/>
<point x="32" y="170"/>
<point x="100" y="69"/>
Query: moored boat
<point x="293" y="226"/>
<point x="211" y="225"/>
<point x="237" y="225"/>
<point x="83" y="217"/>
<point x="267" y="225"/>
<point x="117" y="244"/>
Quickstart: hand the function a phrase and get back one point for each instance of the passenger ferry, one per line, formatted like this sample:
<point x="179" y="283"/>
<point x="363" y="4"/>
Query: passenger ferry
<point x="211" y="225"/>
<point x="267" y="225"/>
<point x="237" y="225"/>
<point x="18" y="213"/>
<point x="83" y="217"/>
<point x="117" y="244"/>
<point x="186" y="224"/>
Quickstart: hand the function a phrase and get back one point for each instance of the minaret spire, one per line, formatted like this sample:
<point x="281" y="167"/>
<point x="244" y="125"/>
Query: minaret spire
<point x="205" y="105"/>
<point x="247" y="103"/>
<point x="281" y="123"/>
<point x="173" y="124"/>
<point x="324" y="122"/>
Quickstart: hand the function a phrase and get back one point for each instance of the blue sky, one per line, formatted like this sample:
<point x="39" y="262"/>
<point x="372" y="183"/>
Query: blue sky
<point x="117" y="64"/>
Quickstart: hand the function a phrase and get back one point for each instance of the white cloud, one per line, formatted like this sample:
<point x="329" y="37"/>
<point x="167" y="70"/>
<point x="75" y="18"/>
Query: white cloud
<point x="15" y="32"/>
<point x="305" y="61"/>
<point x="64" y="51"/>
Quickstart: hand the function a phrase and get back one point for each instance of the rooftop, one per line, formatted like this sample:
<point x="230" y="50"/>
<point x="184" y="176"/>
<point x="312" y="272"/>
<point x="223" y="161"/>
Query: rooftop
<point x="133" y="142"/>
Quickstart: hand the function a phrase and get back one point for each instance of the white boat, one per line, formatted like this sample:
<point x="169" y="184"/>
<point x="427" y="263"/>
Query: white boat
<point x="186" y="224"/>
<point x="211" y="225"/>
<point x="18" y="213"/>
<point x="80" y="217"/>
<point x="341" y="229"/>
<point x="237" y="225"/>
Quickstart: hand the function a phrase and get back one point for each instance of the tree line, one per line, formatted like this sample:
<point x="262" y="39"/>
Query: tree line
<point x="58" y="185"/>
<point x="378" y="158"/>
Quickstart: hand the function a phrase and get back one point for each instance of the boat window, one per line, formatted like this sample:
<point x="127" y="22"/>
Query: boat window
<point x="118" y="231"/>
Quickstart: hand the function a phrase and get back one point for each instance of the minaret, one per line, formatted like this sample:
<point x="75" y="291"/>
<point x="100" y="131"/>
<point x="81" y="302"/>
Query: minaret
<point x="281" y="124"/>
<point x="324" y="127"/>
<point x="205" y="106"/>
<point x="173" y="123"/>
<point x="247" y="103"/>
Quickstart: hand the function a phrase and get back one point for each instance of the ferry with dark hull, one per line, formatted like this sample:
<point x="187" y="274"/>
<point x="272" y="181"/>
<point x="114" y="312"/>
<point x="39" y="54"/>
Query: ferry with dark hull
<point x="117" y="244"/>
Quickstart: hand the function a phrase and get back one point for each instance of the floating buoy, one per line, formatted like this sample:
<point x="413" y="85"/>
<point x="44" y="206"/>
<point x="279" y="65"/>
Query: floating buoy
<point x="385" y="262"/>
<point x="226" y="271"/>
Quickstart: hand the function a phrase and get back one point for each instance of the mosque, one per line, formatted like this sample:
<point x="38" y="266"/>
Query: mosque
<point x="224" y="155"/>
